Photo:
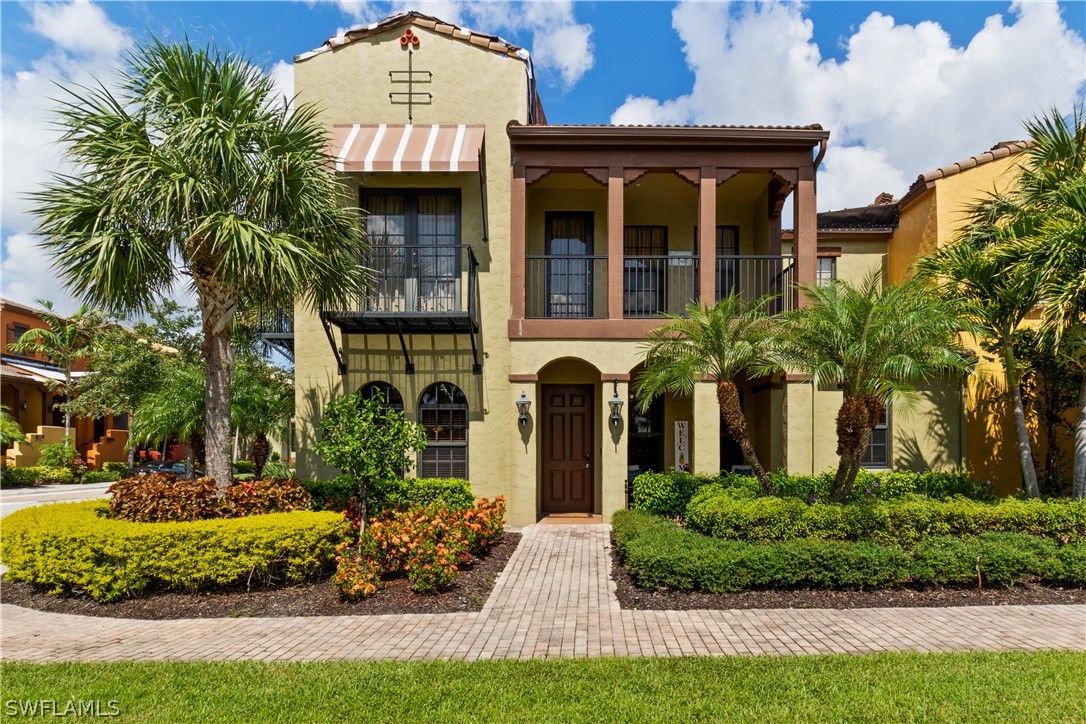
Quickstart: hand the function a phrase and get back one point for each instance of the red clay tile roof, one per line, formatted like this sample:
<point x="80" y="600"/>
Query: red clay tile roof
<point x="1003" y="149"/>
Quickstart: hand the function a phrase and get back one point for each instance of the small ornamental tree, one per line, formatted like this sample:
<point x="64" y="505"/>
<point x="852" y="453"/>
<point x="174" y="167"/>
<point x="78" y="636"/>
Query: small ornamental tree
<point x="368" y="441"/>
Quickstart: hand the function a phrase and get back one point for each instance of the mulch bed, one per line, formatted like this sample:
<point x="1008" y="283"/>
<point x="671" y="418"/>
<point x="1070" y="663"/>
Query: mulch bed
<point x="468" y="593"/>
<point x="632" y="597"/>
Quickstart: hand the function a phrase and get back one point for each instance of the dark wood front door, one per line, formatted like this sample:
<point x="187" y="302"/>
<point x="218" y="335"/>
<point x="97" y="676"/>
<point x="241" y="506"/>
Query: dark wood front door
<point x="568" y="459"/>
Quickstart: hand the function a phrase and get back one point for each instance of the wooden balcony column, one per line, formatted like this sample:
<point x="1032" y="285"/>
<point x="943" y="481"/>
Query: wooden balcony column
<point x="805" y="244"/>
<point x="518" y="218"/>
<point x="615" y="237"/>
<point x="707" y="235"/>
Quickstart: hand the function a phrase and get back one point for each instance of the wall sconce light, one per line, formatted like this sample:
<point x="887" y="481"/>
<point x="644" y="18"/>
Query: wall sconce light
<point x="522" y="408"/>
<point x="23" y="405"/>
<point x="615" y="403"/>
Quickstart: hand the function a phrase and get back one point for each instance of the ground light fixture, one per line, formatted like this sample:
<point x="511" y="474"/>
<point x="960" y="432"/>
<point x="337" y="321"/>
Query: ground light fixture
<point x="615" y="403"/>
<point x="522" y="408"/>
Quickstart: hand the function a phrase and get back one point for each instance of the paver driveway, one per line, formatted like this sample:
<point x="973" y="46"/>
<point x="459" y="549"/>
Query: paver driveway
<point x="554" y="599"/>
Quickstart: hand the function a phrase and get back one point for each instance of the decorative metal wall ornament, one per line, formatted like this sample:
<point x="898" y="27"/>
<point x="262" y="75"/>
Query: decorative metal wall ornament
<point x="411" y="97"/>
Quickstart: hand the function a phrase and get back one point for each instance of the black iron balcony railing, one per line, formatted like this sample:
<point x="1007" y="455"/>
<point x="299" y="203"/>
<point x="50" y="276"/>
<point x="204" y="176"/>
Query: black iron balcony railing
<point x="566" y="287"/>
<point x="652" y="285"/>
<point x="414" y="289"/>
<point x="275" y="327"/>
<point x="421" y="280"/>
<point x="752" y="277"/>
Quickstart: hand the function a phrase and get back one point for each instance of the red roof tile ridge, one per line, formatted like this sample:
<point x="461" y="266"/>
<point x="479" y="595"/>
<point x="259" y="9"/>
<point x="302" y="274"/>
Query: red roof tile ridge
<point x="359" y="32"/>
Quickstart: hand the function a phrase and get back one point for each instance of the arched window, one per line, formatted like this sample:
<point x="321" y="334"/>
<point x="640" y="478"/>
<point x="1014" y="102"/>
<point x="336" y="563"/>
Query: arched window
<point x="443" y="411"/>
<point x="389" y="396"/>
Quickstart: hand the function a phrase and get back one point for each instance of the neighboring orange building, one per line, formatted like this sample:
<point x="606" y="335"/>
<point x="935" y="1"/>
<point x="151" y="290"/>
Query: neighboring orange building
<point x="24" y="390"/>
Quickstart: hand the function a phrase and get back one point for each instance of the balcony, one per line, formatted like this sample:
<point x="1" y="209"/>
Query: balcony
<point x="752" y="277"/>
<point x="575" y="287"/>
<point x="566" y="287"/>
<point x="275" y="328"/>
<point x="654" y="285"/>
<point x="416" y="289"/>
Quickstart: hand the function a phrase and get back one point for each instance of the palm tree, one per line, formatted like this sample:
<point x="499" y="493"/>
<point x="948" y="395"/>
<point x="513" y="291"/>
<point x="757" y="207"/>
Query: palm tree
<point x="10" y="430"/>
<point x="176" y="409"/>
<point x="996" y="297"/>
<point x="722" y="342"/>
<point x="194" y="174"/>
<point x="263" y="401"/>
<point x="876" y="343"/>
<point x="1047" y="208"/>
<point x="64" y="342"/>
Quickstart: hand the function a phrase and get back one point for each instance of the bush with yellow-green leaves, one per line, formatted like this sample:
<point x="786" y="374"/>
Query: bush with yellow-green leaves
<point x="76" y="548"/>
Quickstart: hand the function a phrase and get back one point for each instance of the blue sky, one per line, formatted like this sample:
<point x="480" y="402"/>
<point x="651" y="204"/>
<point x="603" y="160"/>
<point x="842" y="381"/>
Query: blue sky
<point x="903" y="86"/>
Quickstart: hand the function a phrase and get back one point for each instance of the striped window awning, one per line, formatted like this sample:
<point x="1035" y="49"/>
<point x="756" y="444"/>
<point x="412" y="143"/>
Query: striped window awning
<point x="358" y="148"/>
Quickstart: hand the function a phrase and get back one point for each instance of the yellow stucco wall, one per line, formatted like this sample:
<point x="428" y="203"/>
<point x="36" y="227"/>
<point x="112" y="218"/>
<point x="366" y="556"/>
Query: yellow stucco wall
<point x="351" y="85"/>
<point x="931" y="221"/>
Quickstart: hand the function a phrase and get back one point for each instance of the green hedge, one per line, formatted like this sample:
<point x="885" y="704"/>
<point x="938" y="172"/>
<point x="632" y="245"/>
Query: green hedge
<point x="669" y="493"/>
<point x="74" y="547"/>
<point x="454" y="493"/>
<point x="37" y="475"/>
<point x="657" y="553"/>
<point x="719" y="512"/>
<point x="117" y="468"/>
<point x="98" y="476"/>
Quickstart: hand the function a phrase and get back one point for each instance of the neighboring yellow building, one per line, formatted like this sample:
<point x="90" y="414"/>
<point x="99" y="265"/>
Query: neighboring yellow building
<point x="518" y="261"/>
<point x="932" y="212"/>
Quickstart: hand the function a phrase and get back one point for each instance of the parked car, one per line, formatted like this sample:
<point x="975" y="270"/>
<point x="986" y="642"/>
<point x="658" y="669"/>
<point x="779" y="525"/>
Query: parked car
<point x="170" y="467"/>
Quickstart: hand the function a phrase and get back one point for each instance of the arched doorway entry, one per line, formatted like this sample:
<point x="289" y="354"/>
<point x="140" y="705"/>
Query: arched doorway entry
<point x="568" y="447"/>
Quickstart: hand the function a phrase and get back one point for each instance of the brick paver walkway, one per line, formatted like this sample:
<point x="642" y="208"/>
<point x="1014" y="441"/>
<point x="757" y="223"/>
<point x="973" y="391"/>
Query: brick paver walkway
<point x="553" y="600"/>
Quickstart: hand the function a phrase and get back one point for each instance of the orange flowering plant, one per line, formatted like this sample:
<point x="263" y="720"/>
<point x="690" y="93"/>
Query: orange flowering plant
<point x="427" y="544"/>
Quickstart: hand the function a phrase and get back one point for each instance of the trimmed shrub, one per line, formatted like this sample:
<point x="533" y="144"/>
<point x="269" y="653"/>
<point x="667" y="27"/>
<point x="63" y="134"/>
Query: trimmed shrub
<point x="158" y="498"/>
<point x="265" y="496"/>
<point x="331" y="494"/>
<point x="719" y="513"/>
<point x="98" y="476"/>
<point x="667" y="494"/>
<point x="59" y="455"/>
<point x="401" y="494"/>
<point x="38" y="475"/>
<point x="243" y="467"/>
<point x="14" y="477"/>
<point x="75" y="547"/>
<point x="120" y="469"/>
<point x="659" y="553"/>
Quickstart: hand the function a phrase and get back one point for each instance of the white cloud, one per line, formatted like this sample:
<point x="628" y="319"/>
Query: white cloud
<point x="79" y="27"/>
<point x="902" y="101"/>
<point x="282" y="77"/>
<point x="82" y="45"/>
<point x="27" y="274"/>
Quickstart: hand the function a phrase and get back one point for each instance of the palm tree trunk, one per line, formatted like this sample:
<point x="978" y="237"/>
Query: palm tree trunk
<point x="67" y="402"/>
<point x="1025" y="453"/>
<point x="1078" y="491"/>
<point x="852" y="424"/>
<point x="727" y="397"/>
<point x="217" y="313"/>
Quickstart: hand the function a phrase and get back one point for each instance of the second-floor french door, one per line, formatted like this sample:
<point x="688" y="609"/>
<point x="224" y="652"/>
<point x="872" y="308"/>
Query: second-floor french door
<point x="569" y="264"/>
<point x="414" y="255"/>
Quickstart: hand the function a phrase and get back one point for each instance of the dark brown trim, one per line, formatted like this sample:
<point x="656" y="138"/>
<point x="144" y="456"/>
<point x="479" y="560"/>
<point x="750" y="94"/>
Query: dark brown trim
<point x="530" y="377"/>
<point x="797" y="378"/>
<point x="824" y="251"/>
<point x="614" y="377"/>
<point x="521" y="135"/>
<point x="840" y="235"/>
<point x="581" y="328"/>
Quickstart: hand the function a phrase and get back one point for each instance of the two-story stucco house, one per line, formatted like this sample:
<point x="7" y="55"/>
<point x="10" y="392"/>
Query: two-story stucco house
<point x="516" y="261"/>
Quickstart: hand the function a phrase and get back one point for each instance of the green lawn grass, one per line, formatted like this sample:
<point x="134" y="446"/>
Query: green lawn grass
<point x="1003" y="687"/>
